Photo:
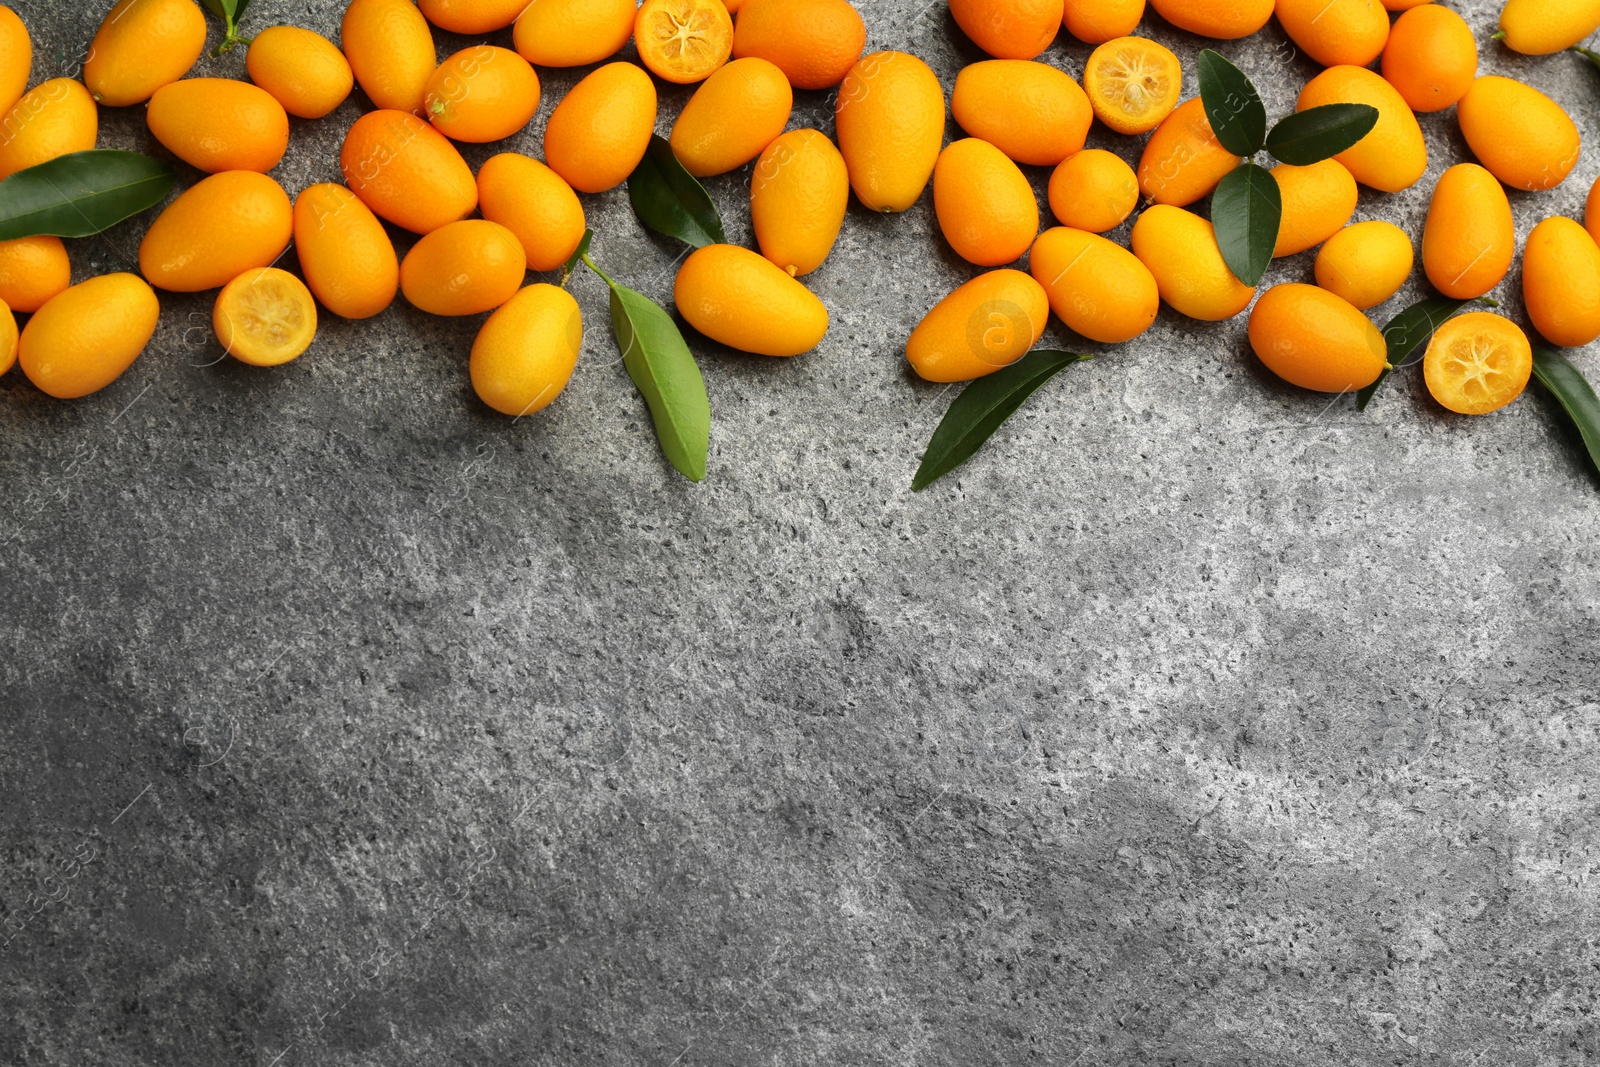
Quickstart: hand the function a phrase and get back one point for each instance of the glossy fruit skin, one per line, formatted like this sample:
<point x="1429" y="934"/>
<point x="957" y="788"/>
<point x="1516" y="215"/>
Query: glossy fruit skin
<point x="1139" y="105"/>
<point x="84" y="338"/>
<point x="471" y="17"/>
<point x="16" y="58"/>
<point x="1335" y="32"/>
<point x="1225" y="20"/>
<point x="1099" y="21"/>
<point x="573" y="33"/>
<point x="525" y="354"/>
<point x="32" y="270"/>
<point x="345" y="253"/>
<point x="390" y="49"/>
<point x="1469" y="240"/>
<point x="1180" y="249"/>
<point x="232" y="313"/>
<point x="218" y="124"/>
<point x="1009" y="29"/>
<point x="1431" y="58"/>
<point x="1540" y="27"/>
<point x="302" y="70"/>
<point x="217" y="230"/>
<point x="1313" y="339"/>
<point x="799" y="194"/>
<point x="1318" y="202"/>
<point x="1561" y="283"/>
<point x="1093" y="190"/>
<point x="51" y="119"/>
<point x="890" y="122"/>
<point x="734" y="296"/>
<point x="407" y="172"/>
<point x="731" y="119"/>
<point x="814" y="42"/>
<point x="987" y="324"/>
<point x="1500" y="353"/>
<point x="1032" y="112"/>
<point x="531" y="200"/>
<point x="658" y="34"/>
<point x="141" y="46"/>
<point x="8" y="338"/>
<point x="1393" y="156"/>
<point x="482" y="94"/>
<point x="1183" y="160"/>
<point x="985" y="206"/>
<point x="464" y="268"/>
<point x="1366" y="263"/>
<point x="1404" y="5"/>
<point x="1591" y="211"/>
<point x="598" y="134"/>
<point x="1535" y="152"/>
<point x="1099" y="289"/>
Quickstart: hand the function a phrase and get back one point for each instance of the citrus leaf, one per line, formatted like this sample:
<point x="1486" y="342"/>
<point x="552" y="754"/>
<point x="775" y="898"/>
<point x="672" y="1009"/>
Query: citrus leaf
<point x="1319" y="133"/>
<point x="1233" y="106"/>
<point x="671" y="201"/>
<point x="982" y="408"/>
<point x="1557" y="374"/>
<point x="577" y="256"/>
<point x="1407" y="332"/>
<point x="217" y="8"/>
<point x="660" y="364"/>
<point x="81" y="194"/>
<point x="238" y="9"/>
<point x="1247" y="210"/>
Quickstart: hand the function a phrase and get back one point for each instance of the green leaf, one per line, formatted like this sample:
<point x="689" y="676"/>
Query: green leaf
<point x="671" y="201"/>
<point x="238" y="10"/>
<point x="577" y="256"/>
<point x="1247" y="210"/>
<point x="660" y="364"/>
<point x="219" y="8"/>
<point x="1557" y="374"/>
<point x="1319" y="133"/>
<point x="982" y="408"/>
<point x="1407" y="332"/>
<point x="81" y="194"/>
<point x="1233" y="106"/>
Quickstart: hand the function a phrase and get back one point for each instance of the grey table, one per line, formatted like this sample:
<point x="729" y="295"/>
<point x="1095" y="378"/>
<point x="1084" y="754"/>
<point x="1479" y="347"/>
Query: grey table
<point x="1197" y="721"/>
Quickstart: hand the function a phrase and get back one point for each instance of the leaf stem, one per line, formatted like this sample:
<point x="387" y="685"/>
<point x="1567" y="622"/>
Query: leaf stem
<point x="587" y="262"/>
<point x="230" y="40"/>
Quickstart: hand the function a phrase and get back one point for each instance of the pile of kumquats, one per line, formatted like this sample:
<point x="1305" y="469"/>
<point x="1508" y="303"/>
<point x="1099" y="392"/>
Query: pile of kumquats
<point x="480" y="234"/>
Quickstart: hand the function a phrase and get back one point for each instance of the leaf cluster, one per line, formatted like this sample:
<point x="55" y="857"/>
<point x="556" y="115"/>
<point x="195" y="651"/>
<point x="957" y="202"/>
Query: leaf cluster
<point x="1247" y="208"/>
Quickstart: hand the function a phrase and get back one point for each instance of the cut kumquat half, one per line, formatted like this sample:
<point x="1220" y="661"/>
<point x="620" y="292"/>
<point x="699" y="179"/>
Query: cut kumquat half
<point x="1133" y="83"/>
<point x="265" y="317"/>
<point x="683" y="41"/>
<point x="1478" y="363"/>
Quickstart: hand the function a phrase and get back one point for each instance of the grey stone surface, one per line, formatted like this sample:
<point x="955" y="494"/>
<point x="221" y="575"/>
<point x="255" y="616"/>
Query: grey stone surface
<point x="1197" y="721"/>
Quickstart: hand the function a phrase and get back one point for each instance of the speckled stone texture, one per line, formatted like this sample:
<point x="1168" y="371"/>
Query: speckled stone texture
<point x="1197" y="721"/>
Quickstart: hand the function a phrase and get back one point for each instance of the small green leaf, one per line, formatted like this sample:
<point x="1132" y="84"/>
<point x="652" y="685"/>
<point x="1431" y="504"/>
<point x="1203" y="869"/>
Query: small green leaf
<point x="1407" y="332"/>
<point x="219" y="8"/>
<point x="238" y="10"/>
<point x="1320" y="133"/>
<point x="81" y="194"/>
<point x="1557" y="374"/>
<point x="671" y="201"/>
<point x="1233" y="106"/>
<point x="660" y="364"/>
<point x="577" y="257"/>
<point x="982" y="408"/>
<point x="1247" y="210"/>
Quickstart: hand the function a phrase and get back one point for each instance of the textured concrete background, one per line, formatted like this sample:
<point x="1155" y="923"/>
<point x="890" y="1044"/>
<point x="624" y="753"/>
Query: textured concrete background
<point x="1197" y="721"/>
